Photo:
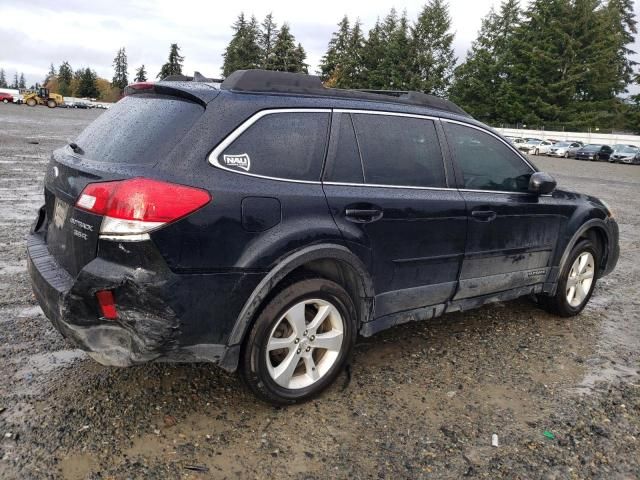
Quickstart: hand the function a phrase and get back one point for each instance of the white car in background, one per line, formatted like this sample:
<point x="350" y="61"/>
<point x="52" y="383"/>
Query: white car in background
<point x="536" y="146"/>
<point x="564" y="149"/>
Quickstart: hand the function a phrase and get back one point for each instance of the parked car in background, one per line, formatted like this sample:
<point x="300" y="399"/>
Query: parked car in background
<point x="6" y="98"/>
<point x="536" y="146"/>
<point x="626" y="154"/>
<point x="595" y="152"/>
<point x="516" y="141"/>
<point x="564" y="149"/>
<point x="618" y="148"/>
<point x="82" y="105"/>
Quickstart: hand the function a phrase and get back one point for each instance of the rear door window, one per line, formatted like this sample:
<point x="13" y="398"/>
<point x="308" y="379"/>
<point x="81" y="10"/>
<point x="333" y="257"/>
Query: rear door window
<point x="139" y="129"/>
<point x="289" y="145"/>
<point x="343" y="159"/>
<point x="401" y="151"/>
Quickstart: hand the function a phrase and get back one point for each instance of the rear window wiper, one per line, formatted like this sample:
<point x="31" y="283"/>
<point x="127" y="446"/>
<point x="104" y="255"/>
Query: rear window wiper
<point x="76" y="148"/>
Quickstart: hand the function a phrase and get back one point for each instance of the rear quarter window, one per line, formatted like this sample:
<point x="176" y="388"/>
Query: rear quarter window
<point x="288" y="145"/>
<point x="139" y="129"/>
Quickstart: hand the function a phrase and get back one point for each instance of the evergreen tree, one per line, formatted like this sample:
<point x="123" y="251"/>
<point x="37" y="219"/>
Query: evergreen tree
<point x="16" y="81"/>
<point x="141" y="74"/>
<point x="373" y="51"/>
<point x="51" y="74"/>
<point x="65" y="79"/>
<point x="87" y="84"/>
<point x="432" y="49"/>
<point x="287" y="57"/>
<point x="243" y="51"/>
<point x="22" y="82"/>
<point x="333" y="64"/>
<point x="120" y="77"/>
<point x="3" y="79"/>
<point x="267" y="40"/>
<point x="621" y="27"/>
<point x="174" y="63"/>
<point x="483" y="84"/>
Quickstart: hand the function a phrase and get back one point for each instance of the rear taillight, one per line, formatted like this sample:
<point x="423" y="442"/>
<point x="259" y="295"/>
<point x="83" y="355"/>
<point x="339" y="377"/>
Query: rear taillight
<point x="107" y="304"/>
<point x="139" y="205"/>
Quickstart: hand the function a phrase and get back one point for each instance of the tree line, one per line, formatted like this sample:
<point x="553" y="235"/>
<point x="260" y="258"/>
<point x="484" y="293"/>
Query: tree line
<point x="18" y="81"/>
<point x="556" y="62"/>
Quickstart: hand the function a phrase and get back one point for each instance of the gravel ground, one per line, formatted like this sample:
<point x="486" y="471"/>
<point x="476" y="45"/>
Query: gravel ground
<point x="563" y="396"/>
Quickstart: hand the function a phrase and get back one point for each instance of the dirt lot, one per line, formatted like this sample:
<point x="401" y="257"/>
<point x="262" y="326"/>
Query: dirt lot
<point x="563" y="396"/>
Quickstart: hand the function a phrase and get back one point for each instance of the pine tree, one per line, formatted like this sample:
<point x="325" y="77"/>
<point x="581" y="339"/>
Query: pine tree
<point x="243" y="51"/>
<point x="432" y="49"/>
<point x="333" y="64"/>
<point x="373" y="51"/>
<point x="141" y="74"/>
<point x="483" y="84"/>
<point x="3" y="79"/>
<point x="287" y="57"/>
<point x="545" y="52"/>
<point x="87" y="84"/>
<point x="51" y="74"/>
<point x="621" y="27"/>
<point x="65" y="79"/>
<point x="22" y="83"/>
<point x="16" y="81"/>
<point x="120" y="77"/>
<point x="174" y="63"/>
<point x="267" y="40"/>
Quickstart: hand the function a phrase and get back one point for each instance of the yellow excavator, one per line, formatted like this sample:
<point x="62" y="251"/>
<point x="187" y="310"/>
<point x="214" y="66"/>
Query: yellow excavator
<point x="42" y="96"/>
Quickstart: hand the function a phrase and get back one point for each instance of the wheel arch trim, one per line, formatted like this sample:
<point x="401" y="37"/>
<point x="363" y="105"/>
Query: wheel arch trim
<point x="594" y="223"/>
<point x="287" y="265"/>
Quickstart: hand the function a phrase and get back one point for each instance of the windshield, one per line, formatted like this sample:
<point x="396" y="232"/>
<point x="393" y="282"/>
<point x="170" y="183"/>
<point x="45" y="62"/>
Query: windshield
<point x="627" y="149"/>
<point x="592" y="148"/>
<point x="562" y="144"/>
<point x="533" y="140"/>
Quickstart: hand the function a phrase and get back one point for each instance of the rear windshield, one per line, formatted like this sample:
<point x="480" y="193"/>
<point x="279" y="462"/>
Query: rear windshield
<point x="139" y="129"/>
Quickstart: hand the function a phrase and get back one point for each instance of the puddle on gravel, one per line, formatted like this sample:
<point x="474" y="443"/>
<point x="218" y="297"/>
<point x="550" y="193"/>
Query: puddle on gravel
<point x="42" y="363"/>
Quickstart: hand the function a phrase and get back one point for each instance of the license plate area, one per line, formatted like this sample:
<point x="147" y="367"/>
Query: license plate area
<point x="60" y="213"/>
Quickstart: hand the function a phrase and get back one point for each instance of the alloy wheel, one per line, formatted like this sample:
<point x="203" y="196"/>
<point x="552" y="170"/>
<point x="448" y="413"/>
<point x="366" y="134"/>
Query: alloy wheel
<point x="304" y="343"/>
<point x="580" y="279"/>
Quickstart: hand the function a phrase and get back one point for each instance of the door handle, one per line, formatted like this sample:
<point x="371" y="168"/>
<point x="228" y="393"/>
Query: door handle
<point x="484" y="215"/>
<point x="363" y="215"/>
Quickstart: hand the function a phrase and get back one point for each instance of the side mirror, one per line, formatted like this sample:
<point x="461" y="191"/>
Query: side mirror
<point x="541" y="183"/>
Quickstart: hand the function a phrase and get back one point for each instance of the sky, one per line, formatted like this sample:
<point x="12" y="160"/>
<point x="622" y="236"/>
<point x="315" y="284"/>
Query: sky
<point x="86" y="33"/>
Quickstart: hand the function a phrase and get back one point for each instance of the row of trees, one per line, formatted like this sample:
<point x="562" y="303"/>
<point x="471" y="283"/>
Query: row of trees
<point x="18" y="81"/>
<point x="263" y="45"/>
<point x="85" y="82"/>
<point x="396" y="53"/>
<point x="557" y="62"/>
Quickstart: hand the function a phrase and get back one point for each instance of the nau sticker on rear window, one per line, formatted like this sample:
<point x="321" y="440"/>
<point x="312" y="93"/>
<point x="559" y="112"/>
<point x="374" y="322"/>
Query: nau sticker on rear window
<point x="240" y="161"/>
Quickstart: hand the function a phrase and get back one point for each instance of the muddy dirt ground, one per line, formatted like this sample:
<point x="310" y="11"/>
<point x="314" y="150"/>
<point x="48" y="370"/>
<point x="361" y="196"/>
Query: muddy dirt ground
<point x="563" y="396"/>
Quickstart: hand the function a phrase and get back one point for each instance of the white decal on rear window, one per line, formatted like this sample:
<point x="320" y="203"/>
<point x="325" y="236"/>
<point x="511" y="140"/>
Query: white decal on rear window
<point x="241" y="161"/>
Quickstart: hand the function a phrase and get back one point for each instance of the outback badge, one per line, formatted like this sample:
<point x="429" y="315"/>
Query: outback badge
<point x="241" y="161"/>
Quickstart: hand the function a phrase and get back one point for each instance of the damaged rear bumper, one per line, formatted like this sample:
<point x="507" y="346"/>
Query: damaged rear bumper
<point x="147" y="327"/>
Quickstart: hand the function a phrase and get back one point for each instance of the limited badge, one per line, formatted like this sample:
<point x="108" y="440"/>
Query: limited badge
<point x="240" y="161"/>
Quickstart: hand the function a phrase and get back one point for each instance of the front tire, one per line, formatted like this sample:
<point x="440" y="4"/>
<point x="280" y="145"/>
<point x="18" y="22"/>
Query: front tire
<point x="536" y="152"/>
<point x="566" y="154"/>
<point x="300" y="341"/>
<point x="5" y="101"/>
<point x="576" y="283"/>
<point x="31" y="102"/>
<point x="596" y="158"/>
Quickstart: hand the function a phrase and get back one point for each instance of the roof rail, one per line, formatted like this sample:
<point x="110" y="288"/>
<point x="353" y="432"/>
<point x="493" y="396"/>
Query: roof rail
<point x="268" y="81"/>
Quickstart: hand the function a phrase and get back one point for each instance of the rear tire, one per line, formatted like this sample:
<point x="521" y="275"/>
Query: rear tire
<point x="576" y="282"/>
<point x="536" y="152"/>
<point x="5" y="101"/>
<point x="51" y="104"/>
<point x="299" y="342"/>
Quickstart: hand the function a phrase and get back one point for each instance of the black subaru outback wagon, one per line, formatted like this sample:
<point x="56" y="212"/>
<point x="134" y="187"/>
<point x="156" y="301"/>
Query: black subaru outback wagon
<point x="263" y="223"/>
